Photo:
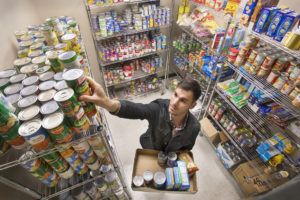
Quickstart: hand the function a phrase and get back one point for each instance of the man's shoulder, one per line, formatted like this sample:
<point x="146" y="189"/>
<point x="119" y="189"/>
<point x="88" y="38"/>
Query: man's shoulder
<point x="162" y="101"/>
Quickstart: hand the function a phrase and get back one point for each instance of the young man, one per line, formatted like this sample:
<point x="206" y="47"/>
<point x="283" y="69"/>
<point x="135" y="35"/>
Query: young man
<point x="171" y="126"/>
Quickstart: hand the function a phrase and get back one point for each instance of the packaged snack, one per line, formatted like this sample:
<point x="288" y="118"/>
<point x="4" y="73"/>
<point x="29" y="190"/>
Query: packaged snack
<point x="248" y="10"/>
<point x="228" y="84"/>
<point x="279" y="16"/>
<point x="285" y="25"/>
<point x="240" y="97"/>
<point x="231" y="7"/>
<point x="169" y="179"/>
<point x="191" y="167"/>
<point x="261" y="24"/>
<point x="185" y="185"/>
<point x="235" y="90"/>
<point x="177" y="178"/>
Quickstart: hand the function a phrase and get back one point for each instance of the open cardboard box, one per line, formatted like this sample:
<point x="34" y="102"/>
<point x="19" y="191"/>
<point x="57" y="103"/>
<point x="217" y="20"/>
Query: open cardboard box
<point x="146" y="159"/>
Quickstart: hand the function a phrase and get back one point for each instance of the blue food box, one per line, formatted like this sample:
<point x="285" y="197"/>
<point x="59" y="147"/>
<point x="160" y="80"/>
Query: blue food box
<point x="276" y="21"/>
<point x="169" y="179"/>
<point x="185" y="185"/>
<point x="177" y="178"/>
<point x="285" y="25"/>
<point x="264" y="17"/>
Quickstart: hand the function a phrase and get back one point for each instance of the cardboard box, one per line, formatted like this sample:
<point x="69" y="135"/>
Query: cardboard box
<point x="253" y="180"/>
<point x="146" y="159"/>
<point x="208" y="128"/>
<point x="225" y="158"/>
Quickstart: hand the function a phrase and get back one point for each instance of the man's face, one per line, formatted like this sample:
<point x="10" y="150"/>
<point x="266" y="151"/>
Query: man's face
<point x="181" y="101"/>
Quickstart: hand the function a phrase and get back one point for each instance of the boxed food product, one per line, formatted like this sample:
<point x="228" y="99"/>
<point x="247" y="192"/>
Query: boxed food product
<point x="262" y="23"/>
<point x="285" y="25"/>
<point x="276" y="21"/>
<point x="185" y="185"/>
<point x="261" y="4"/>
<point x="248" y="10"/>
<point x="177" y="178"/>
<point x="169" y="179"/>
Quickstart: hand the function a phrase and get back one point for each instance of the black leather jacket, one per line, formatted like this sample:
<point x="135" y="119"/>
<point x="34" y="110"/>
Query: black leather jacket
<point x="160" y="128"/>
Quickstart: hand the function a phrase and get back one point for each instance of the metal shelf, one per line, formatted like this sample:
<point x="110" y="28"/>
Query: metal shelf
<point x="275" y="44"/>
<point x="12" y="157"/>
<point x="133" y="58"/>
<point x="121" y="96"/>
<point x="275" y="94"/>
<point x="95" y="8"/>
<point x="137" y="75"/>
<point x="130" y="32"/>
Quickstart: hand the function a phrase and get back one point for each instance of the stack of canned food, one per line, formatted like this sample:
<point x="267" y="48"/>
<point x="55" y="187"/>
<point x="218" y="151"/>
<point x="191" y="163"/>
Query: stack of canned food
<point x="131" y="46"/>
<point x="127" y="71"/>
<point x="135" y="17"/>
<point x="106" y="2"/>
<point x="279" y="69"/>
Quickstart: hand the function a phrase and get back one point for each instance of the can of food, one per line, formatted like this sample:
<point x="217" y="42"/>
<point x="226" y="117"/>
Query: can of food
<point x="73" y="159"/>
<point x="35" y="166"/>
<point x="51" y="156"/>
<point x="172" y="157"/>
<point x="295" y="73"/>
<point x="13" y="89"/>
<point x="254" y="69"/>
<point x="40" y="60"/>
<point x="4" y="83"/>
<point x="162" y="158"/>
<point x="37" y="46"/>
<point x="296" y="101"/>
<point x="58" y="76"/>
<point x="98" y="147"/>
<point x="25" y="44"/>
<point x="9" y="131"/>
<point x="72" y="42"/>
<point x="19" y="34"/>
<point x="259" y="59"/>
<point x="43" y="69"/>
<point x="27" y="101"/>
<point x="76" y="79"/>
<point x="7" y="73"/>
<point x="61" y="46"/>
<point x="29" y="70"/>
<point x="46" y="96"/>
<point x="288" y="87"/>
<point x="92" y="191"/>
<point x="102" y="187"/>
<point x="159" y="180"/>
<point x="32" y="80"/>
<point x="269" y="61"/>
<point x="294" y="93"/>
<point x="47" y="85"/>
<point x="4" y="146"/>
<point x="239" y="60"/>
<point x="17" y="78"/>
<point x="35" y="134"/>
<point x="82" y="147"/>
<point x="273" y="76"/>
<point x="60" y="85"/>
<point x="13" y="100"/>
<point x="253" y="55"/>
<point x="47" y="76"/>
<point x="138" y="181"/>
<point x="148" y="177"/>
<point x="30" y="90"/>
<point x="31" y="112"/>
<point x="263" y="71"/>
<point x="59" y="165"/>
<point x="88" y="157"/>
<point x="49" y="108"/>
<point x="55" y="62"/>
<point x="35" y="53"/>
<point x="279" y="83"/>
<point x="68" y="102"/>
<point x="69" y="60"/>
<point x="57" y="127"/>
<point x="280" y="64"/>
<point x="112" y="181"/>
<point x="67" y="174"/>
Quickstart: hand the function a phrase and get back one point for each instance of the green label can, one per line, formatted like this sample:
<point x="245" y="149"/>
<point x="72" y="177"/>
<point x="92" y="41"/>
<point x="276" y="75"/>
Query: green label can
<point x="51" y="157"/>
<point x="59" y="165"/>
<point x="67" y="101"/>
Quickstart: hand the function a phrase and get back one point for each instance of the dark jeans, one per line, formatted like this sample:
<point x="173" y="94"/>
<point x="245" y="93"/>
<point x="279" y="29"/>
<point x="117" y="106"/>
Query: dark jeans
<point x="145" y="141"/>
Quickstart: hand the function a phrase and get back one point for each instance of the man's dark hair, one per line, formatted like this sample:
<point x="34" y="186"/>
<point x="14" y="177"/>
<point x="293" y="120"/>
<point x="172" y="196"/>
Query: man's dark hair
<point x="191" y="85"/>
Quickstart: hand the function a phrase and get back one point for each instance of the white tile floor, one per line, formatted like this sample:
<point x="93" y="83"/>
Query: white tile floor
<point x="214" y="181"/>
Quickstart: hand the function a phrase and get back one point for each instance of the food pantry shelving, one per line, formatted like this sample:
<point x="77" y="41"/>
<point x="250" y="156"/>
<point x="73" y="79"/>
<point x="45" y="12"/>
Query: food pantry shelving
<point x="150" y="23"/>
<point x="98" y="130"/>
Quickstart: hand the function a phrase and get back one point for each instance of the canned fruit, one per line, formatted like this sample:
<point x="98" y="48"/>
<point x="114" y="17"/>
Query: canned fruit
<point x="12" y="137"/>
<point x="55" y="62"/>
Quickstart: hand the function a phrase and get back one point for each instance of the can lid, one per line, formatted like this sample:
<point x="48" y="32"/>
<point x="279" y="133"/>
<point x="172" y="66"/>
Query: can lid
<point x="17" y="78"/>
<point x="60" y="45"/>
<point x="4" y="81"/>
<point x="39" y="59"/>
<point x="47" y="95"/>
<point x="12" y="99"/>
<point x="148" y="175"/>
<point x="60" y="85"/>
<point x="138" y="180"/>
<point x="22" y="61"/>
<point x="67" y="57"/>
<point x="47" y="85"/>
<point x="30" y="80"/>
<point x="28" y="113"/>
<point x="43" y="69"/>
<point x="72" y="74"/>
<point x="47" y="76"/>
<point x="53" y="120"/>
<point x="36" y="45"/>
<point x="35" y="53"/>
<point x="112" y="176"/>
<point x="58" y="76"/>
<point x="26" y="37"/>
<point x="25" y="43"/>
<point x="49" y="107"/>
<point x="31" y="89"/>
<point x="52" y="54"/>
<point x="13" y="89"/>
<point x="20" y="32"/>
<point x="69" y="36"/>
<point x="7" y="73"/>
<point x="64" y="95"/>
<point x="172" y="155"/>
<point x="29" y="68"/>
<point x="30" y="127"/>
<point x="27" y="101"/>
<point x="159" y="177"/>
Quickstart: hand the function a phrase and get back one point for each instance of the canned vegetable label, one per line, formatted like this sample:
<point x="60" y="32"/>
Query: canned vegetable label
<point x="67" y="101"/>
<point x="51" y="157"/>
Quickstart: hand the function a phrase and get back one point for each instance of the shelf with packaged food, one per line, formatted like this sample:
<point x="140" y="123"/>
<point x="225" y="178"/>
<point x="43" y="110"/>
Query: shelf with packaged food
<point x="121" y="94"/>
<point x="274" y="94"/>
<point x="129" y="32"/>
<point x="134" y="57"/>
<point x="11" y="158"/>
<point x="139" y="74"/>
<point x="278" y="45"/>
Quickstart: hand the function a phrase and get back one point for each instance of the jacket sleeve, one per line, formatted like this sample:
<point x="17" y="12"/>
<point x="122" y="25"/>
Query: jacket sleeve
<point x="141" y="111"/>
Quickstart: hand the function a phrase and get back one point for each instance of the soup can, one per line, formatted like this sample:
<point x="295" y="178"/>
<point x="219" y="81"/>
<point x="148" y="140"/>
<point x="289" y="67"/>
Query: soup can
<point x="29" y="113"/>
<point x="57" y="127"/>
<point x="7" y="73"/>
<point x="28" y="101"/>
<point x="47" y="76"/>
<point x="47" y="85"/>
<point x="29" y="70"/>
<point x="18" y="78"/>
<point x="35" y="134"/>
<point x="13" y="89"/>
<point x="42" y="70"/>
<point x="46" y="96"/>
<point x="32" y="80"/>
<point x="55" y="62"/>
<point x="159" y="180"/>
<point x="172" y="157"/>
<point x="40" y="60"/>
<point x="30" y="90"/>
<point x="67" y="101"/>
<point x="49" y="108"/>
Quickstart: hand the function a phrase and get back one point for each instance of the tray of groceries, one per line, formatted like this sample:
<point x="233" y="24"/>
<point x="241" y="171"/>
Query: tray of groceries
<point x="155" y="171"/>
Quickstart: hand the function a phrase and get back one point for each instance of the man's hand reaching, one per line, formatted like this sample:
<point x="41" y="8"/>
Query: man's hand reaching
<point x="99" y="97"/>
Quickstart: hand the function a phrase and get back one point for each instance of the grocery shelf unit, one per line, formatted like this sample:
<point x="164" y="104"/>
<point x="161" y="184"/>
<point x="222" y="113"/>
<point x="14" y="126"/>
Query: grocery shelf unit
<point x="93" y="10"/>
<point x="11" y="159"/>
<point x="262" y="126"/>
